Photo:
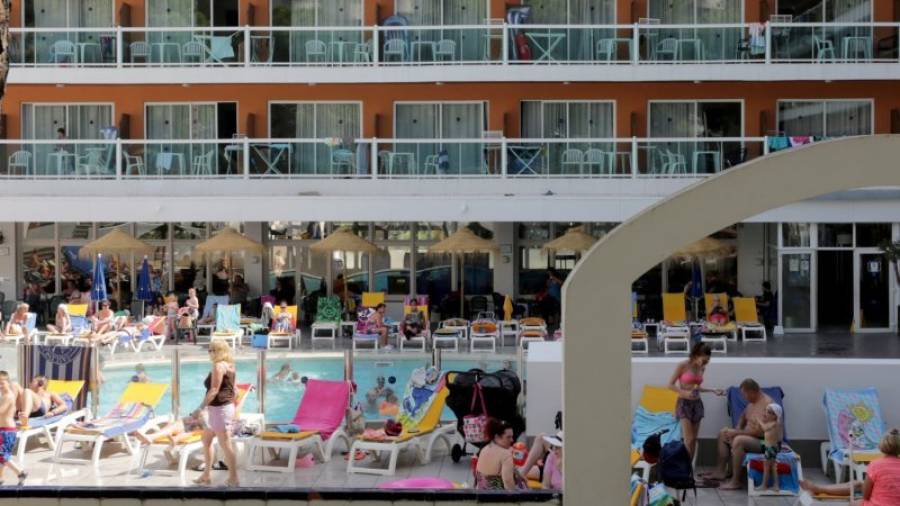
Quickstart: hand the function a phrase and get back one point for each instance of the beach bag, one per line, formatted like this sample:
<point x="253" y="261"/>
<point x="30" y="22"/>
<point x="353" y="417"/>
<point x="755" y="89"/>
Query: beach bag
<point x="474" y="425"/>
<point x="393" y="428"/>
<point x="653" y="447"/>
<point x="675" y="469"/>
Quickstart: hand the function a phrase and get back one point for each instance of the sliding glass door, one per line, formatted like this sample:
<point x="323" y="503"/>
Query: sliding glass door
<point x="292" y="46"/>
<point x="579" y="43"/>
<point x="700" y="43"/>
<point x="705" y="120"/>
<point x="442" y="120"/>
<point x="66" y="121"/>
<point x="571" y="120"/>
<point x="337" y="124"/>
<point x="824" y="118"/>
<point x="93" y="47"/>
<point x="470" y="44"/>
<point x="184" y="121"/>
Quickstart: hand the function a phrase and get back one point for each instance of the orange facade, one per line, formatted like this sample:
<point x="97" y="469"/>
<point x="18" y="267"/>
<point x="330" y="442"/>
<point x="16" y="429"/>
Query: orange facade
<point x="503" y="99"/>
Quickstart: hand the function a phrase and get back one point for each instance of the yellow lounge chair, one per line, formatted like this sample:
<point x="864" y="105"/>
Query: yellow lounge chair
<point x="747" y="319"/>
<point x="428" y="431"/>
<point x="50" y="426"/>
<point x="288" y="337"/>
<point x="372" y="299"/>
<point x="655" y="399"/>
<point x="675" y="329"/>
<point x="718" y="333"/>
<point x="132" y="413"/>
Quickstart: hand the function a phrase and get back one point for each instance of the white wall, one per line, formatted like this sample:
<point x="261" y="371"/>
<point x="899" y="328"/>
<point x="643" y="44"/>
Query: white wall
<point x="505" y="271"/>
<point x="803" y="381"/>
<point x="750" y="258"/>
<point x="8" y="275"/>
<point x="253" y="263"/>
<point x="543" y="399"/>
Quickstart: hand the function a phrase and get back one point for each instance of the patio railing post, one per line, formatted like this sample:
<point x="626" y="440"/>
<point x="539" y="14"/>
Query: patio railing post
<point x="634" y="157"/>
<point x="261" y="381"/>
<point x="247" y="43"/>
<point x="373" y="158"/>
<point x="95" y="381"/>
<point x="348" y="365"/>
<point x="120" y="47"/>
<point x="765" y="145"/>
<point x="504" y="45"/>
<point x="375" y="45"/>
<point x="119" y="151"/>
<point x="504" y="159"/>
<point x="635" y="44"/>
<point x="246" y="157"/>
<point x="176" y="380"/>
<point x="436" y="358"/>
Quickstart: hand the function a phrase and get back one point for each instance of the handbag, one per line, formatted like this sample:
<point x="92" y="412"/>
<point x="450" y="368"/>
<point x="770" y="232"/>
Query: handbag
<point x="474" y="425"/>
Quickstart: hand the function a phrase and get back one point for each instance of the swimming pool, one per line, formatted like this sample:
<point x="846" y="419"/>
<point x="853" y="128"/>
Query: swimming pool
<point x="283" y="397"/>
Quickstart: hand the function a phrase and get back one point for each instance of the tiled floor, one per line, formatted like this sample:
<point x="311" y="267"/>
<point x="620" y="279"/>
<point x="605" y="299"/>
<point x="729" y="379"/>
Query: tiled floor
<point x="822" y="344"/>
<point x="118" y="470"/>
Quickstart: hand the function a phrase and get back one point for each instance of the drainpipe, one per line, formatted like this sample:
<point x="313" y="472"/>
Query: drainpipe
<point x="176" y="382"/>
<point x="261" y="381"/>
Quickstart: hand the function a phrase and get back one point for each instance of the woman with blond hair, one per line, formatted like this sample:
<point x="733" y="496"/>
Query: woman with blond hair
<point x="219" y="405"/>
<point x="882" y="484"/>
<point x="63" y="322"/>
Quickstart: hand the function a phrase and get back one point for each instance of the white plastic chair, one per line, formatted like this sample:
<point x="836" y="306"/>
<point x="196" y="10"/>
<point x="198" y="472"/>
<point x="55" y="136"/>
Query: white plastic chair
<point x="202" y="165"/>
<point x="445" y="48"/>
<point x="134" y="165"/>
<point x="193" y="49"/>
<point x="139" y="49"/>
<point x="395" y="48"/>
<point x="316" y="50"/>
<point x="342" y="161"/>
<point x="606" y="49"/>
<point x="19" y="160"/>
<point x="824" y="49"/>
<point x="362" y="53"/>
<point x="573" y="157"/>
<point x="63" y="49"/>
<point x="667" y="47"/>
<point x="595" y="157"/>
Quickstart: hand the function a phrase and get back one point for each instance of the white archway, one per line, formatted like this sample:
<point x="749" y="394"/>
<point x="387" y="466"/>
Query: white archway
<point x="596" y="296"/>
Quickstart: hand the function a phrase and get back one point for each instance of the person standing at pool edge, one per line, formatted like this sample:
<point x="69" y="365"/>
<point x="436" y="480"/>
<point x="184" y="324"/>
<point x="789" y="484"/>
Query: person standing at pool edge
<point x="686" y="381"/>
<point x="219" y="404"/>
<point x="8" y="434"/>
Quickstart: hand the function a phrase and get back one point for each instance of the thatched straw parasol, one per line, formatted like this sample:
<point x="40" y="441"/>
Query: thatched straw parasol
<point x="343" y="239"/>
<point x="461" y="242"/>
<point x="229" y="241"/>
<point x="575" y="239"/>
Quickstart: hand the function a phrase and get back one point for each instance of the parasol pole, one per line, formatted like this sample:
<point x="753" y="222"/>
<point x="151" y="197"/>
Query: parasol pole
<point x="462" y="285"/>
<point x="118" y="281"/>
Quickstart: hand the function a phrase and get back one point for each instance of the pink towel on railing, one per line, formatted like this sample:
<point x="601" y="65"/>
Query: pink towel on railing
<point x="323" y="406"/>
<point x="799" y="140"/>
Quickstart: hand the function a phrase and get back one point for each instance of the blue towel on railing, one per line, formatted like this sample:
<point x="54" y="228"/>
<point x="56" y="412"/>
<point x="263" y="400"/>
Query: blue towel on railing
<point x="787" y="482"/>
<point x="647" y="423"/>
<point x="778" y="143"/>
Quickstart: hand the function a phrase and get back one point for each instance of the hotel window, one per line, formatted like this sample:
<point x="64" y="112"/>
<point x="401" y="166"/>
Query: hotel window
<point x="703" y="120"/>
<point x="292" y="46"/>
<point x="437" y="120"/>
<point x="337" y="124"/>
<point x="98" y="47"/>
<point x="824" y="118"/>
<point x="69" y="121"/>
<point x="168" y="46"/>
<point x="185" y="121"/>
<point x="577" y="43"/>
<point x="572" y="120"/>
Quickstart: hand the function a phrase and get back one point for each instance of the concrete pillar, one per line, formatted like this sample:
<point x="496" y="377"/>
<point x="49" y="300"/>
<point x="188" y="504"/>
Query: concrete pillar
<point x="254" y="265"/>
<point x="505" y="262"/>
<point x="9" y="278"/>
<point x="751" y="253"/>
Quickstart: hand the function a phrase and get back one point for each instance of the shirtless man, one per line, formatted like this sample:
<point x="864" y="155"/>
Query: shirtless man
<point x="8" y="434"/>
<point x="743" y="438"/>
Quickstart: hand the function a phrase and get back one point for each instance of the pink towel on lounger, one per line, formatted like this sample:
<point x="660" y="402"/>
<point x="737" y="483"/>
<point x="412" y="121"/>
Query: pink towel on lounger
<point x="323" y="406"/>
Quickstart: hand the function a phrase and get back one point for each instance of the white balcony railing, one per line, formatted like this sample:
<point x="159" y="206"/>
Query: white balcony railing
<point x="381" y="46"/>
<point x="245" y="158"/>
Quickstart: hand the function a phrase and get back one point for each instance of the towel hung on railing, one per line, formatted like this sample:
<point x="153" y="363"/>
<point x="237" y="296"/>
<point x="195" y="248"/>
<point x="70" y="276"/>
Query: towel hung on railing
<point x="757" y="32"/>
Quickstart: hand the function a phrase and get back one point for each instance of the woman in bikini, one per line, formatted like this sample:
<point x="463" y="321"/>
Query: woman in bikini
<point x="686" y="381"/>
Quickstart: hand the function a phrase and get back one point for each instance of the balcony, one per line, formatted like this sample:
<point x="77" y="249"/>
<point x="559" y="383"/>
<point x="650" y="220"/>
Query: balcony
<point x="377" y="159"/>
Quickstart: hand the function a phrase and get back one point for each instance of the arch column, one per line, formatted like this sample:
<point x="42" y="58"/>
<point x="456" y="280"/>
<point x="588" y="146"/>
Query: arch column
<point x="596" y="296"/>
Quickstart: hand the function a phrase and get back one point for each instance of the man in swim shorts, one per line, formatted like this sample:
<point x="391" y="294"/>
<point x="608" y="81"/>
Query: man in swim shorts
<point x="8" y="434"/>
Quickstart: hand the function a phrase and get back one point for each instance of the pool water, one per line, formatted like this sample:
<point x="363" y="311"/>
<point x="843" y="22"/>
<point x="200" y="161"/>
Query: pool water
<point x="283" y="397"/>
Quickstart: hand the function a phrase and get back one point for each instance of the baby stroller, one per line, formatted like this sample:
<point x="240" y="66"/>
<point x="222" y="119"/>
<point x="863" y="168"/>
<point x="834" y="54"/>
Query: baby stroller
<point x="501" y="393"/>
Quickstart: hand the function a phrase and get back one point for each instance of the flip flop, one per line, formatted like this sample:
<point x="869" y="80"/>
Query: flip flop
<point x="360" y="454"/>
<point x="707" y="483"/>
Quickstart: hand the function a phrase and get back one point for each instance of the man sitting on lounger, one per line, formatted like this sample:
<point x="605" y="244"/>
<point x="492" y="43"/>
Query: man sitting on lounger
<point x="745" y="437"/>
<point x="37" y="401"/>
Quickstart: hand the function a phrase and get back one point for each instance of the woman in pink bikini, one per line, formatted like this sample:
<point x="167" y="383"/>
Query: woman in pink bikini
<point x="686" y="381"/>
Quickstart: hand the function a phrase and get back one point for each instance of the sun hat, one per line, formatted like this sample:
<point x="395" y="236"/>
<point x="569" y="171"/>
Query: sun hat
<point x="556" y="440"/>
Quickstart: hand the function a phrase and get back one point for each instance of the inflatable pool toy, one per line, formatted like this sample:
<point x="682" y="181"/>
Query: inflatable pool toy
<point x="421" y="483"/>
<point x="388" y="409"/>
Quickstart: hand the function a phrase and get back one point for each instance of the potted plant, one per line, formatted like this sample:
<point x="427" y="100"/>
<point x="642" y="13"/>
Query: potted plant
<point x="891" y="252"/>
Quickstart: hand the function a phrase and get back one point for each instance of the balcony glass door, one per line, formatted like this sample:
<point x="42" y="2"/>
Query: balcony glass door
<point x="694" y="119"/>
<point x="571" y="120"/>
<point x="77" y="122"/>
<point x="89" y="47"/>
<point x="832" y="118"/>
<point x="179" y="122"/>
<point x="451" y="120"/>
<point x="470" y="44"/>
<point x="301" y="46"/>
<point x="579" y="44"/>
<point x="337" y="124"/>
<point x="698" y="43"/>
<point x="873" y="290"/>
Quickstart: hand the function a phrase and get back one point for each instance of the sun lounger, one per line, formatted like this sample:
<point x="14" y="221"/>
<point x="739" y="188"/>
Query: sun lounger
<point x="852" y="415"/>
<point x="319" y="421"/>
<point x="675" y="330"/>
<point x="718" y="333"/>
<point x="655" y="413"/>
<point x="420" y="415"/>
<point x="186" y="444"/>
<point x="450" y="331"/>
<point x="747" y="319"/>
<point x="284" y="336"/>
<point x="132" y="413"/>
<point x="47" y="426"/>
<point x="228" y="325"/>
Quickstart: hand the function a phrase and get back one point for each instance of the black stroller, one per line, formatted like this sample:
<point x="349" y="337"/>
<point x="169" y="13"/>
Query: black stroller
<point x="501" y="393"/>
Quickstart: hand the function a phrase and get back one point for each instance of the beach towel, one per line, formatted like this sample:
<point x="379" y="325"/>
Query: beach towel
<point x="323" y="406"/>
<point x="647" y="422"/>
<point x="228" y="318"/>
<point x="123" y="418"/>
<point x="737" y="404"/>
<point x="858" y="410"/>
<point x="68" y="363"/>
<point x="788" y="469"/>
<point x="419" y="395"/>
